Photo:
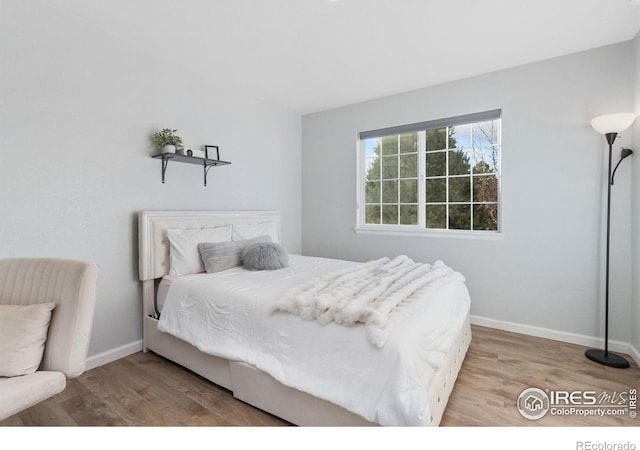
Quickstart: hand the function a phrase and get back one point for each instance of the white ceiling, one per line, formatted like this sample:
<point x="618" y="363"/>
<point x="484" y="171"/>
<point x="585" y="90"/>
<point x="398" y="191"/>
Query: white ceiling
<point x="311" y="55"/>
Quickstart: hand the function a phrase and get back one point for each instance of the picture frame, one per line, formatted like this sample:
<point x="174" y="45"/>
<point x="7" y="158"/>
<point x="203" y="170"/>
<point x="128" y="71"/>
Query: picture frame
<point x="209" y="152"/>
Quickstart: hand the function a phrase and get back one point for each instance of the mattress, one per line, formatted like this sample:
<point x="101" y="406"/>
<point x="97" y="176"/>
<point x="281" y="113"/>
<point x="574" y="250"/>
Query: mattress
<point x="162" y="290"/>
<point x="229" y="314"/>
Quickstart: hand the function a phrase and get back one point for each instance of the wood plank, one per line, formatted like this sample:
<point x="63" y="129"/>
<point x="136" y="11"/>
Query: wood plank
<point x="128" y="404"/>
<point x="49" y="412"/>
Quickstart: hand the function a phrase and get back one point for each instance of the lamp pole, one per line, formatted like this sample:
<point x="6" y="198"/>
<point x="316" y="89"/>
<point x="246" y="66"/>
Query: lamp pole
<point x="611" y="137"/>
<point x="597" y="355"/>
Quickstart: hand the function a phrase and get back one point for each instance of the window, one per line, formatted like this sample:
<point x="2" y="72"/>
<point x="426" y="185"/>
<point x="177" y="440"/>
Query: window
<point x="438" y="175"/>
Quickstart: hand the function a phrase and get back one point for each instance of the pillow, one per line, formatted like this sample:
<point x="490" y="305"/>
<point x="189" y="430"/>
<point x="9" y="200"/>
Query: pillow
<point x="217" y="257"/>
<point x="265" y="256"/>
<point x="183" y="247"/>
<point x="23" y="332"/>
<point x="244" y="231"/>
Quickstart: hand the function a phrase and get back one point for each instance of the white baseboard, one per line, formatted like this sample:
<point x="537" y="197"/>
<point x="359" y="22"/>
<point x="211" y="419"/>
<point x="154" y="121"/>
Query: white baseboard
<point x="112" y="355"/>
<point x="563" y="336"/>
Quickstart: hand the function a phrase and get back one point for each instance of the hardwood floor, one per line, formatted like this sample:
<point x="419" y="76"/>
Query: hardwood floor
<point x="500" y="365"/>
<point x="147" y="390"/>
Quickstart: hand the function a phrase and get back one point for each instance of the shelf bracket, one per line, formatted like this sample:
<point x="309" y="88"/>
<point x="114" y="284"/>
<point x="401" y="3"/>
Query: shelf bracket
<point x="165" y="162"/>
<point x="206" y="168"/>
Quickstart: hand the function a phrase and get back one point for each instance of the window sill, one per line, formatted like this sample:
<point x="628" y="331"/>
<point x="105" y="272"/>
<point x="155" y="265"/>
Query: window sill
<point x="419" y="232"/>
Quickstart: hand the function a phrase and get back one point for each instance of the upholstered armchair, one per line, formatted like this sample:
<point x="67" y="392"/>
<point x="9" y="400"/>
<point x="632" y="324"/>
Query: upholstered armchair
<point x="34" y="293"/>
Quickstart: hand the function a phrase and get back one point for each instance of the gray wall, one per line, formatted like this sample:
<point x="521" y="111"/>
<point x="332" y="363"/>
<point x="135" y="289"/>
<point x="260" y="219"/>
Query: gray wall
<point x="77" y="106"/>
<point x="546" y="271"/>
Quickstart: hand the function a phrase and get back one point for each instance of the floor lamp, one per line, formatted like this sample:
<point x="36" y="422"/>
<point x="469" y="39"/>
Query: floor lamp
<point x="610" y="125"/>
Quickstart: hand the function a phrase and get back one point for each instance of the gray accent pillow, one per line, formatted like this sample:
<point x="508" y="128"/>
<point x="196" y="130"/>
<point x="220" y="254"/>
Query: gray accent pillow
<point x="219" y="256"/>
<point x="265" y="256"/>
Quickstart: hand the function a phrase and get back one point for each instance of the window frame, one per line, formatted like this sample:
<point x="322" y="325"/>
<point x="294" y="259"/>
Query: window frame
<point x="420" y="229"/>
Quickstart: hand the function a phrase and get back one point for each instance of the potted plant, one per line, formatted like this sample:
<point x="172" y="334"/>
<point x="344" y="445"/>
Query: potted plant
<point x="166" y="140"/>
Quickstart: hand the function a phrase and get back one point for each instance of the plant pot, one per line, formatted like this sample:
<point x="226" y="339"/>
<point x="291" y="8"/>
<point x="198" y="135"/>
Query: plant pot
<point x="169" y="149"/>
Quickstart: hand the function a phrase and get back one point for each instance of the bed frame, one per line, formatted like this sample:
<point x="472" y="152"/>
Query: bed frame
<point x="245" y="381"/>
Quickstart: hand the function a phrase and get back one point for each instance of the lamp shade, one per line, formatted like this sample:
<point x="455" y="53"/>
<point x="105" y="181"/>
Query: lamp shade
<point x="613" y="123"/>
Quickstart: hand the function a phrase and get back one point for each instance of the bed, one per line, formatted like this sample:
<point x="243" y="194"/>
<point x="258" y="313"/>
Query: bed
<point x="305" y="371"/>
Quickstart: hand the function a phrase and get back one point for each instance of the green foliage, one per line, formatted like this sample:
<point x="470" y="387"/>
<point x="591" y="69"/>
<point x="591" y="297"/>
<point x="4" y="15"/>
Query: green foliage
<point x="391" y="190"/>
<point x="166" y="136"/>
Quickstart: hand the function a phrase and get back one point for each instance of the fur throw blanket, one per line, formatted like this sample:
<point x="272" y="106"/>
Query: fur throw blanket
<point x="366" y="293"/>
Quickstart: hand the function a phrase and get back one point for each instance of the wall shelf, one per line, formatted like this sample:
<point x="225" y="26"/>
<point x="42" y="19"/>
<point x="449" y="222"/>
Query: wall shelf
<point x="204" y="162"/>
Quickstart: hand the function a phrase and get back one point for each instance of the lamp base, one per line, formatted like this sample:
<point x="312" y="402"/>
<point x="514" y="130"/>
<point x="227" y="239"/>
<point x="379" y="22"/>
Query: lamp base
<point x="610" y="359"/>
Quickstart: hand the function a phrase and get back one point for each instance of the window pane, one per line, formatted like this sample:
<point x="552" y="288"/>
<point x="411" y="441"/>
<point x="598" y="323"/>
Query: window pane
<point x="436" y="164"/>
<point x="436" y="190"/>
<point x="409" y="214"/>
<point x="409" y="143"/>
<point x="485" y="188"/>
<point x="372" y="167"/>
<point x="436" y="139"/>
<point x="460" y="217"/>
<point x="389" y="192"/>
<point x="373" y="192"/>
<point x="389" y="167"/>
<point x="459" y="162"/>
<point x="409" y="166"/>
<point x="460" y="136"/>
<point x="485" y="217"/>
<point x="408" y="191"/>
<point x="390" y="145"/>
<point x="371" y="148"/>
<point x="372" y="214"/>
<point x="484" y="160"/>
<point x="460" y="189"/>
<point x="390" y="214"/>
<point x="436" y="216"/>
<point x="485" y="134"/>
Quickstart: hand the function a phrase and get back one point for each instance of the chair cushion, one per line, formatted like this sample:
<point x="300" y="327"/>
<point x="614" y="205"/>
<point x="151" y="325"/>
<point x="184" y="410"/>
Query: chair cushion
<point x="23" y="333"/>
<point x="71" y="285"/>
<point x="18" y="393"/>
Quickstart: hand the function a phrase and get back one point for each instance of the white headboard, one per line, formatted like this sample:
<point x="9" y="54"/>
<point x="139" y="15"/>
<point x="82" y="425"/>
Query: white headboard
<point x="153" y="245"/>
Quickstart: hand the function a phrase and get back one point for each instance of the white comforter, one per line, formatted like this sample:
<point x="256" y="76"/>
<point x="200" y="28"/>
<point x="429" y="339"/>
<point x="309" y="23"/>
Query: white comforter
<point x="229" y="314"/>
